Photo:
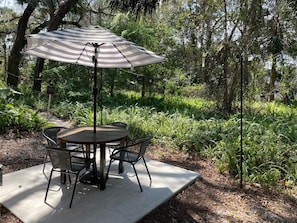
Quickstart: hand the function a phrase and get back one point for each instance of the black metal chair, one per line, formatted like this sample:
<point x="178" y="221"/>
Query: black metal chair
<point x="132" y="153"/>
<point x="119" y="124"/>
<point x="63" y="162"/>
<point x="50" y="134"/>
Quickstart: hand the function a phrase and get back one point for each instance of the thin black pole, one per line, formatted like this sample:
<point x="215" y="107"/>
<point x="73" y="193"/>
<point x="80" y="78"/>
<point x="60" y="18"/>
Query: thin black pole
<point x="101" y="98"/>
<point x="95" y="90"/>
<point x="241" y="122"/>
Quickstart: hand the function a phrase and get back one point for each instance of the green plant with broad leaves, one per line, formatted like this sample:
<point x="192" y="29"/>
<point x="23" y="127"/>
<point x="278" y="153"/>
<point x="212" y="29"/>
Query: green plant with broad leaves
<point x="177" y="122"/>
<point x="187" y="123"/>
<point x="16" y="116"/>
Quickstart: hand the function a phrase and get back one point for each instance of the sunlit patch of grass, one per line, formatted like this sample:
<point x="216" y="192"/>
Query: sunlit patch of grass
<point x="269" y="132"/>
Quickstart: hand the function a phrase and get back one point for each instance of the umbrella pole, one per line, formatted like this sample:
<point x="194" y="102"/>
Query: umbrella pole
<point x="95" y="90"/>
<point x="241" y="122"/>
<point x="101" y="98"/>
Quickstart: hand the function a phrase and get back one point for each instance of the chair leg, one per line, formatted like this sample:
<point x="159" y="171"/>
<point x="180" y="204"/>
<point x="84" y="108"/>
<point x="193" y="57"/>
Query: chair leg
<point x="74" y="187"/>
<point x="69" y="178"/>
<point x="48" y="184"/>
<point x="96" y="172"/>
<point x="108" y="169"/>
<point x="137" y="177"/>
<point x="44" y="162"/>
<point x="147" y="169"/>
<point x="43" y="167"/>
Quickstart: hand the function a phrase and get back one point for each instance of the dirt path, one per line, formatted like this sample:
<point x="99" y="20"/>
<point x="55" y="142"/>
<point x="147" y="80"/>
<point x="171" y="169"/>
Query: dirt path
<point x="218" y="198"/>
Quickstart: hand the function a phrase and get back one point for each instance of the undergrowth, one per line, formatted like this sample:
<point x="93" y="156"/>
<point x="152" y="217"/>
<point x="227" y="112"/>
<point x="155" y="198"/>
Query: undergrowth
<point x="192" y="124"/>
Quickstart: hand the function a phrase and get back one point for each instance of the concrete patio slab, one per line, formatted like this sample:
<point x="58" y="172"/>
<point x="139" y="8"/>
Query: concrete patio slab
<point x="23" y="194"/>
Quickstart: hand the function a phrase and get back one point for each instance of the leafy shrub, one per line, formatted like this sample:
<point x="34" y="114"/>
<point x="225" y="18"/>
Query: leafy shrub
<point x="15" y="117"/>
<point x="269" y="131"/>
<point x="18" y="119"/>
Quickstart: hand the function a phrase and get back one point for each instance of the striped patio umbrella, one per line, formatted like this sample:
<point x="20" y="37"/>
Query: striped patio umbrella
<point x="91" y="46"/>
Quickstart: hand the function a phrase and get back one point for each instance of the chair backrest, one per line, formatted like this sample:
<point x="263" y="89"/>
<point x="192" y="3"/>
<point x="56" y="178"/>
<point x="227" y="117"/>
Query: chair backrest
<point x="144" y="143"/>
<point x="50" y="134"/>
<point x="60" y="158"/>
<point x="141" y="144"/>
<point x="119" y="124"/>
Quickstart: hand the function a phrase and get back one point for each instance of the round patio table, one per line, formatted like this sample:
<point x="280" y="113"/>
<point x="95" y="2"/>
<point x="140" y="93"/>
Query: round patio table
<point x="87" y="136"/>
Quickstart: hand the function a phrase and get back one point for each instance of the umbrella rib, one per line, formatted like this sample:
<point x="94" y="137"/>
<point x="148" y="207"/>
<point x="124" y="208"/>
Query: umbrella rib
<point x="122" y="54"/>
<point x="78" y="58"/>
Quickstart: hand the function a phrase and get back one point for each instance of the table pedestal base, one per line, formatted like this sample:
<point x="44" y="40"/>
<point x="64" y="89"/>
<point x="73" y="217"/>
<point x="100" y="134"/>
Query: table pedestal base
<point x="89" y="178"/>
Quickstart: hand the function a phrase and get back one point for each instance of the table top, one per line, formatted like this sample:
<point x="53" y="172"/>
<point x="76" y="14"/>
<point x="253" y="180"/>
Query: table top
<point x="86" y="135"/>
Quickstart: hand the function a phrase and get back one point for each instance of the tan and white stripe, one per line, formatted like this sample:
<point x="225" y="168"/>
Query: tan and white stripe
<point x="77" y="46"/>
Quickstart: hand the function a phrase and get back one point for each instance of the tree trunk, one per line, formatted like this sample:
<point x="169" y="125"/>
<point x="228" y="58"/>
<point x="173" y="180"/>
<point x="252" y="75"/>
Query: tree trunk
<point x="143" y="87"/>
<point x="227" y="106"/>
<point x="273" y="75"/>
<point x="111" y="84"/>
<point x="111" y="92"/>
<point x="37" y="74"/>
<point x="15" y="56"/>
<point x="53" y="24"/>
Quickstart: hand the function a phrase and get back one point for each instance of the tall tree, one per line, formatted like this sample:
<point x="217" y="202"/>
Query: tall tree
<point x="54" y="22"/>
<point x="19" y="43"/>
<point x="56" y="18"/>
<point x="8" y="21"/>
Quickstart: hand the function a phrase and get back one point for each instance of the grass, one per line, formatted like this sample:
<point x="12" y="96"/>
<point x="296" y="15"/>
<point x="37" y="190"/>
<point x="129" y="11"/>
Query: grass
<point x="193" y="124"/>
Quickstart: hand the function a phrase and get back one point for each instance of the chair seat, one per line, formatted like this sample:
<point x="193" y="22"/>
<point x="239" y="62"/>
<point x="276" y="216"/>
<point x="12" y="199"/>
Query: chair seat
<point x="77" y="159"/>
<point x="78" y="166"/>
<point x="125" y="155"/>
<point x="72" y="146"/>
<point x="116" y="143"/>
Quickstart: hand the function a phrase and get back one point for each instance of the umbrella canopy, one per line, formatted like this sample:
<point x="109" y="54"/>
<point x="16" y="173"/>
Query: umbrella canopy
<point x="91" y="46"/>
<point x="78" y="46"/>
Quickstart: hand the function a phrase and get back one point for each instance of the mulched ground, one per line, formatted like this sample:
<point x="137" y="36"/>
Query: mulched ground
<point x="214" y="197"/>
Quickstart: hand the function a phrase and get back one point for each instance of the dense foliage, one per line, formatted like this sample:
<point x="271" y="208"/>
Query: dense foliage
<point x="180" y="122"/>
<point x="204" y="42"/>
<point x="15" y="116"/>
<point x="195" y="125"/>
<point x="190" y="102"/>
